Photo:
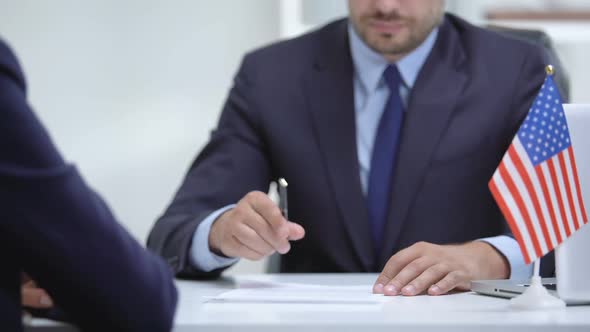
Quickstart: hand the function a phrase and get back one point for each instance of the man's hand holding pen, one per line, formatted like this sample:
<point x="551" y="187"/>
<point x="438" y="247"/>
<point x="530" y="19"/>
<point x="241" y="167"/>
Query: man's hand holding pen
<point x="254" y="229"/>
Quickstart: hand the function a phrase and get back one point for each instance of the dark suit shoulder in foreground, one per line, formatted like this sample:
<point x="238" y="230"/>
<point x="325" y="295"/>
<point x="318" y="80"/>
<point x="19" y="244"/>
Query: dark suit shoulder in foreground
<point x="54" y="227"/>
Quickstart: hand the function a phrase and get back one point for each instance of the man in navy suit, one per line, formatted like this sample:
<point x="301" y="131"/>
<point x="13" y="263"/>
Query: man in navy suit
<point x="58" y="231"/>
<point x="387" y="126"/>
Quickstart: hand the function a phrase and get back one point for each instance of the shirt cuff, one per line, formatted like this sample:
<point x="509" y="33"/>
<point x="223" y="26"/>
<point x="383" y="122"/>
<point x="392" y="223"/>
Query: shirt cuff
<point x="508" y="247"/>
<point x="201" y="256"/>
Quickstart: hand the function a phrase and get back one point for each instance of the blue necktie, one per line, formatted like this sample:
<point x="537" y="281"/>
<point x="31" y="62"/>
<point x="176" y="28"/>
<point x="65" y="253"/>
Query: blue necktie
<point x="384" y="157"/>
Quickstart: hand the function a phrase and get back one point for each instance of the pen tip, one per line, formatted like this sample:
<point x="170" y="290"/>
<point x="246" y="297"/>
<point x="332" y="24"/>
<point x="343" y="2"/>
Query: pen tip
<point x="283" y="182"/>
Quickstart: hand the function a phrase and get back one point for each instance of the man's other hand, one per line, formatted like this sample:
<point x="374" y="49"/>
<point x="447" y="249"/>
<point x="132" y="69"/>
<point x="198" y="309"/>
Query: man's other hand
<point x="438" y="269"/>
<point x="33" y="296"/>
<point x="254" y="229"/>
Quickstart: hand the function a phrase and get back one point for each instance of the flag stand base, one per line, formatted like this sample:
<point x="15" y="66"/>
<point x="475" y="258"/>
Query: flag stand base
<point x="536" y="297"/>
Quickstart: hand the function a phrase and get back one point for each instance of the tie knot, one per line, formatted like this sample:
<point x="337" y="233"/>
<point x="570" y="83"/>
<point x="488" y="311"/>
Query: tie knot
<point x="392" y="77"/>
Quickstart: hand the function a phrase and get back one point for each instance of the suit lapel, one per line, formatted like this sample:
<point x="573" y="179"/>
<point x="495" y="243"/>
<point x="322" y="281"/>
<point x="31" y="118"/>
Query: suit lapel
<point x="430" y="107"/>
<point x="329" y="89"/>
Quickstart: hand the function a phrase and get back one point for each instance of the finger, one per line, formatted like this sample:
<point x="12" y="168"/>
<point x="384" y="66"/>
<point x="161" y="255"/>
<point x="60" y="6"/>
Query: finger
<point x="262" y="228"/>
<point x="296" y="232"/>
<point x="35" y="298"/>
<point x="253" y="240"/>
<point x="269" y="211"/>
<point x="424" y="281"/>
<point x="238" y="249"/>
<point x="453" y="279"/>
<point x="408" y="273"/>
<point x="395" y="264"/>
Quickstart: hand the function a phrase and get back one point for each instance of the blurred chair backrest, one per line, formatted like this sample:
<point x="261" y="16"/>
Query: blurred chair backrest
<point x="540" y="38"/>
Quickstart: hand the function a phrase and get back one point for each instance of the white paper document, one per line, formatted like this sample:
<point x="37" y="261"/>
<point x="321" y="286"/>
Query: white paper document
<point x="300" y="293"/>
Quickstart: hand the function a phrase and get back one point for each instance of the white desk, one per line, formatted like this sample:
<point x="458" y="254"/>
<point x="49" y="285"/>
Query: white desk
<point x="457" y="312"/>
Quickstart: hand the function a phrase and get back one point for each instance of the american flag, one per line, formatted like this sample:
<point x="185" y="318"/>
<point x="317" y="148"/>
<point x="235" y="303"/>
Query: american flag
<point x="536" y="184"/>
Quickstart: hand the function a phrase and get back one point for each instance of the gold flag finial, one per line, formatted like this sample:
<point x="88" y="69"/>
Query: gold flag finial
<point x="549" y="70"/>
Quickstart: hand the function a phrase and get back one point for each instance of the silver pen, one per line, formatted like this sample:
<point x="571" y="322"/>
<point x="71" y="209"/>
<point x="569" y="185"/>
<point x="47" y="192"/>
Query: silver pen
<point x="282" y="184"/>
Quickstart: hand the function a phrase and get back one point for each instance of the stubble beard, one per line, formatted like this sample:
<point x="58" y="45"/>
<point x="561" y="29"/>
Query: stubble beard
<point x="386" y="43"/>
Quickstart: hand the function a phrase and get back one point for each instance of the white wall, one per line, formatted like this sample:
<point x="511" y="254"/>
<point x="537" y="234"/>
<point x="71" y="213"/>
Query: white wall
<point x="130" y="89"/>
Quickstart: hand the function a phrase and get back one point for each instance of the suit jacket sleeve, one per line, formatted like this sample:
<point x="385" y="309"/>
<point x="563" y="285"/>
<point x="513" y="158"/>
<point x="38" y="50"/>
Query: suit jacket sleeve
<point x="63" y="234"/>
<point x="234" y="162"/>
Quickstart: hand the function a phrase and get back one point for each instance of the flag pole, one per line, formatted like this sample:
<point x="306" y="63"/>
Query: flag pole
<point x="536" y="268"/>
<point x="536" y="296"/>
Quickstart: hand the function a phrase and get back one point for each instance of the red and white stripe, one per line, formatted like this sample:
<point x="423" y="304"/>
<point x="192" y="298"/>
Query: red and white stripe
<point x="543" y="205"/>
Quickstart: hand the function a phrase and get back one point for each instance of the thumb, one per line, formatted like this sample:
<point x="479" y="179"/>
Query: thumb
<point x="296" y="232"/>
<point x="35" y="298"/>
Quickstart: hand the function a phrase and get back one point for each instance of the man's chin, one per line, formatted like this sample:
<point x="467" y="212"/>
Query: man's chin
<point x="388" y="47"/>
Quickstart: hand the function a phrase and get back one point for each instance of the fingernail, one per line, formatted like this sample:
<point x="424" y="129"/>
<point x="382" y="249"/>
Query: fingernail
<point x="378" y="289"/>
<point x="285" y="249"/>
<point x="435" y="290"/>
<point x="390" y="290"/>
<point x="409" y="290"/>
<point x="46" y="301"/>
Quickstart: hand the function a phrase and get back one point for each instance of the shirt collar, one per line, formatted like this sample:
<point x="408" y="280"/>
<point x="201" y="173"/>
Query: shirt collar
<point x="369" y="65"/>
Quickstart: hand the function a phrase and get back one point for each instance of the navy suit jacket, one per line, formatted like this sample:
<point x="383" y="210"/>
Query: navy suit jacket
<point x="54" y="227"/>
<point x="291" y="114"/>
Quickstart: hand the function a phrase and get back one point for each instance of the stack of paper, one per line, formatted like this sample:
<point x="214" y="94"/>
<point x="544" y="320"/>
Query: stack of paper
<point x="257" y="292"/>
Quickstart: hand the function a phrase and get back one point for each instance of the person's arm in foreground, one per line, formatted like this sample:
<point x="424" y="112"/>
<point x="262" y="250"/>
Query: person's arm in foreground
<point x="65" y="237"/>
